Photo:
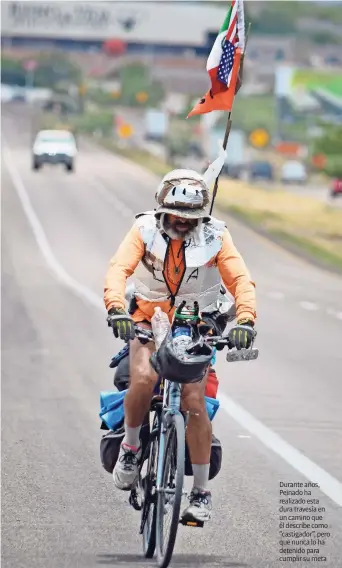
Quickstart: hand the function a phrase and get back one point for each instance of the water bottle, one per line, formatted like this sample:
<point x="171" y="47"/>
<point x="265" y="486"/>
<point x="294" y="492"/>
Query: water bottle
<point x="181" y="339"/>
<point x="160" y="326"/>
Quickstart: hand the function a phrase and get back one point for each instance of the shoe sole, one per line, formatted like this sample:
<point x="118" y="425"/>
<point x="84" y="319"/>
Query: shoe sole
<point x="122" y="487"/>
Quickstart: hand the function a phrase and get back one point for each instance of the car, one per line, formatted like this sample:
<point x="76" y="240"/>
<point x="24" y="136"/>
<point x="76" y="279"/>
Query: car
<point x="54" y="147"/>
<point x="261" y="170"/>
<point x="293" y="172"/>
<point x="336" y="188"/>
<point x="234" y="171"/>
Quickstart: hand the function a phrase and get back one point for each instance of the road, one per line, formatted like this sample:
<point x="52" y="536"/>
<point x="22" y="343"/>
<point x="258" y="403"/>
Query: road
<point x="280" y="419"/>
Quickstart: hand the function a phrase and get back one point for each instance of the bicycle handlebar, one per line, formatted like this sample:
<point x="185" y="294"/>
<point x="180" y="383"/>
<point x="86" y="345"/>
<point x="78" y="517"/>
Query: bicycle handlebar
<point x="233" y="354"/>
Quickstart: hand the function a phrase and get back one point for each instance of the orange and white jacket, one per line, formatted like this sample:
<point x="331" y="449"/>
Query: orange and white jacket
<point x="168" y="271"/>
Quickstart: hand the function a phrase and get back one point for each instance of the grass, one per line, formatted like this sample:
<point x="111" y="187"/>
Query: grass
<point x="299" y="222"/>
<point x="254" y="111"/>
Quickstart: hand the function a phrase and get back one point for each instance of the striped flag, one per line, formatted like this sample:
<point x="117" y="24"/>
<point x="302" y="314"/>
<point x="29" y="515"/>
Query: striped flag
<point x="224" y="62"/>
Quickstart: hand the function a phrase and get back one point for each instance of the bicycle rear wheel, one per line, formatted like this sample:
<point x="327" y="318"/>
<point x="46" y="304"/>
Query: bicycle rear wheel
<point x="148" y="487"/>
<point x="170" y="495"/>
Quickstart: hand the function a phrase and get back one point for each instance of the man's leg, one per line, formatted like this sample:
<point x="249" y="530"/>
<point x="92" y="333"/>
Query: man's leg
<point x="137" y="402"/>
<point x="199" y="437"/>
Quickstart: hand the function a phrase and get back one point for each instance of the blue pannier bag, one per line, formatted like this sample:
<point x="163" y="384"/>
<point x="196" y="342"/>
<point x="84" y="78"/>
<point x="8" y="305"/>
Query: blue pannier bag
<point x="112" y="408"/>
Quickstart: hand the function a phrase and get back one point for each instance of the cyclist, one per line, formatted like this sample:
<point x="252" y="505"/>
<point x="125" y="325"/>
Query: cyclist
<point x="177" y="252"/>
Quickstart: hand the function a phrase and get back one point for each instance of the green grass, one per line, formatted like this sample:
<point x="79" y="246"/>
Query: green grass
<point x="320" y="254"/>
<point x="297" y="244"/>
<point x="259" y="111"/>
<point x="255" y="111"/>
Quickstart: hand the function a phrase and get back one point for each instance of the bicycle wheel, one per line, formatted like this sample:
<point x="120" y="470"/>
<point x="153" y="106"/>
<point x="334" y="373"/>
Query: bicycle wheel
<point x="170" y="496"/>
<point x="148" y="489"/>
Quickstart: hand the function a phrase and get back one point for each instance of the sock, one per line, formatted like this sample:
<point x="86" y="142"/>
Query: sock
<point x="201" y="476"/>
<point x="132" y="436"/>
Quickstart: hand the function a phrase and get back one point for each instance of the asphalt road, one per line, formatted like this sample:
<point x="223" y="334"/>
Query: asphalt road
<point x="280" y="419"/>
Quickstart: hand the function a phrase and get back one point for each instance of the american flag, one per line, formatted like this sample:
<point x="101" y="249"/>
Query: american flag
<point x="226" y="62"/>
<point x="229" y="46"/>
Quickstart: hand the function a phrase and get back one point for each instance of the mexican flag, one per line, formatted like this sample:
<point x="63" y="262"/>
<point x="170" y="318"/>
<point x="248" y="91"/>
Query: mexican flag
<point x="224" y="62"/>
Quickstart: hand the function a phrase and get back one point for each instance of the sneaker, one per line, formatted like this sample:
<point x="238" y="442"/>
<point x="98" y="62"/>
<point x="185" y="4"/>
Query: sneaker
<point x="200" y="505"/>
<point x="126" y="469"/>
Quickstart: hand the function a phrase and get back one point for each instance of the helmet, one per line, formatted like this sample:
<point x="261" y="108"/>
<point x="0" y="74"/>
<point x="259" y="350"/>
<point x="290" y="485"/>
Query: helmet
<point x="184" y="193"/>
<point x="187" y="368"/>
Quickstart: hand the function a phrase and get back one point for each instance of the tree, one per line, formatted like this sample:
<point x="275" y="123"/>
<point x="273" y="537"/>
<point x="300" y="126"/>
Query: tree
<point x="330" y="144"/>
<point x="135" y="78"/>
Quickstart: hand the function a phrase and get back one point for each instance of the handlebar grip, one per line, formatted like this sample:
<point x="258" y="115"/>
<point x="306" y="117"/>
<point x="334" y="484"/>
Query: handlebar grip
<point x="242" y="355"/>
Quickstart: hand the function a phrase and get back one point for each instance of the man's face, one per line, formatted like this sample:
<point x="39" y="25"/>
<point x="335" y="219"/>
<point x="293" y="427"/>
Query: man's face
<point x="180" y="226"/>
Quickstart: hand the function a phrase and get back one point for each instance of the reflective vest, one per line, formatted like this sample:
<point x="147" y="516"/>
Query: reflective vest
<point x="201" y="280"/>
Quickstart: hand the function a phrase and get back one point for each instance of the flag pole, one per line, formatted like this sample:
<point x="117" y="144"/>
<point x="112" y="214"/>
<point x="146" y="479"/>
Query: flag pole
<point x="229" y="121"/>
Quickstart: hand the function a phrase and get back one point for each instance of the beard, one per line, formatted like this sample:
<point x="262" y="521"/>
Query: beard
<point x="178" y="230"/>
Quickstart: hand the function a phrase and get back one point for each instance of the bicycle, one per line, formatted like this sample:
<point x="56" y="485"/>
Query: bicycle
<point x="161" y="487"/>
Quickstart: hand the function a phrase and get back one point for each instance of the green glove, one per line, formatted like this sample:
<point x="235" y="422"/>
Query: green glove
<point x="121" y="323"/>
<point x="242" y="334"/>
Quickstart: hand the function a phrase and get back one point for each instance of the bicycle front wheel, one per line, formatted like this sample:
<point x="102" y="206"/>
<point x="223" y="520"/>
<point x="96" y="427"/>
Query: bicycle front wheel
<point x="170" y="495"/>
<point x="148" y="487"/>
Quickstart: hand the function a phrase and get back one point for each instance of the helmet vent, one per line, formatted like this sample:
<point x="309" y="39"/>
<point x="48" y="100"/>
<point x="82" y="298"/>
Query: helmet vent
<point x="174" y="190"/>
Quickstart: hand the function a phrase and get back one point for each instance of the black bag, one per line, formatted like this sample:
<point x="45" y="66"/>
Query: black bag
<point x="110" y="448"/>
<point x="110" y="445"/>
<point x="215" y="459"/>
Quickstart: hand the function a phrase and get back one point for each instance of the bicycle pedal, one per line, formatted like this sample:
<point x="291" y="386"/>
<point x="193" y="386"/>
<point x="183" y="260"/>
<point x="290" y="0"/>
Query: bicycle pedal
<point x="189" y="521"/>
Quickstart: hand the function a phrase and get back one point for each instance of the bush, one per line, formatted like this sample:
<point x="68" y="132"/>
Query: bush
<point x="136" y="78"/>
<point x="330" y="144"/>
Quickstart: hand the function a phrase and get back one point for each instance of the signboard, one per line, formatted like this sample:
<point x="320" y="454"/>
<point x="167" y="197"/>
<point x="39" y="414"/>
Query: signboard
<point x="102" y="20"/>
<point x="125" y="130"/>
<point x="141" y="97"/>
<point x="156" y="123"/>
<point x="259" y="138"/>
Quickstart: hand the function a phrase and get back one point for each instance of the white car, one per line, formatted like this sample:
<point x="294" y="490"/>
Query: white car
<point x="293" y="172"/>
<point x="54" y="147"/>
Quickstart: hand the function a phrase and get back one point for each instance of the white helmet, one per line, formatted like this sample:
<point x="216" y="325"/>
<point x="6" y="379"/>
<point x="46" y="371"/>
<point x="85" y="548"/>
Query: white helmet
<point x="184" y="193"/>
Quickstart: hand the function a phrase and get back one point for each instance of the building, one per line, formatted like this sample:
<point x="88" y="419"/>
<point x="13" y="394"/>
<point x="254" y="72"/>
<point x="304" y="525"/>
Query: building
<point x="175" y="28"/>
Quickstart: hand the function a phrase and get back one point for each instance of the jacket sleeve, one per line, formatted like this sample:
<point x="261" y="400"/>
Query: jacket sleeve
<point x="121" y="267"/>
<point x="236" y="278"/>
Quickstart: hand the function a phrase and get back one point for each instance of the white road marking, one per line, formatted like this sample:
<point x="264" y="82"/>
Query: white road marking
<point x="328" y="484"/>
<point x="38" y="231"/>
<point x="334" y="313"/>
<point x="310" y="306"/>
<point x="244" y="436"/>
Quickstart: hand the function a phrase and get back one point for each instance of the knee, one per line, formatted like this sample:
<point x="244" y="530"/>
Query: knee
<point x="193" y="401"/>
<point x="144" y="376"/>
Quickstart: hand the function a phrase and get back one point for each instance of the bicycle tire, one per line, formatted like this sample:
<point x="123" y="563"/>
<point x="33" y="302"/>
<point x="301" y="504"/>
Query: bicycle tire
<point x="174" y="465"/>
<point x="149" y="505"/>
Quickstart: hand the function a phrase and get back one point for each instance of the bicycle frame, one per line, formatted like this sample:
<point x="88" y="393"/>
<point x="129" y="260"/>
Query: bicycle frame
<point x="171" y="406"/>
